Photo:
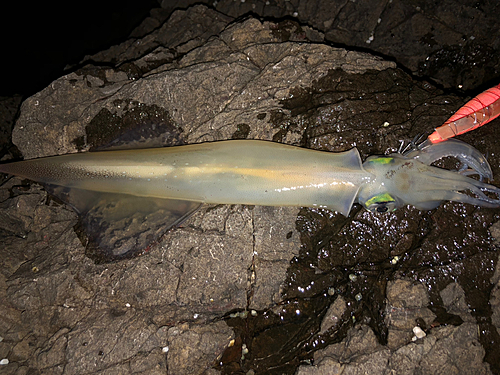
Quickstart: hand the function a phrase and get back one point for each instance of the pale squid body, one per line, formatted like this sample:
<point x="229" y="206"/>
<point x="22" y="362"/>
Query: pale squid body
<point x="178" y="179"/>
<point x="230" y="172"/>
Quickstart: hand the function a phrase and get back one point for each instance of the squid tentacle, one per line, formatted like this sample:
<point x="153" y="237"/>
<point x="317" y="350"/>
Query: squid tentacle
<point x="442" y="178"/>
<point x="457" y="193"/>
<point x="453" y="187"/>
<point x="472" y="161"/>
<point x="409" y="178"/>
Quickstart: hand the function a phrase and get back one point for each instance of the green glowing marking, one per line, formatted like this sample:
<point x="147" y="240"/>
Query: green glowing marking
<point x="381" y="198"/>
<point x="382" y="160"/>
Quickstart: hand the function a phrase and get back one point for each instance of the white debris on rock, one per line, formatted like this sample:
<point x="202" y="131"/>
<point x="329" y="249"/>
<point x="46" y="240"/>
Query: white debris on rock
<point x="419" y="333"/>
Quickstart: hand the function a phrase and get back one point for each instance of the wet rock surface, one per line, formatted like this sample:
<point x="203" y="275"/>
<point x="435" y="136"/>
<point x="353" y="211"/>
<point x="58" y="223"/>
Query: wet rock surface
<point x="453" y="348"/>
<point x="452" y="41"/>
<point x="315" y="292"/>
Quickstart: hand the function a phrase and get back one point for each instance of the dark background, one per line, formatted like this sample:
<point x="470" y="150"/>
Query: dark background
<point x="42" y="38"/>
<point x="451" y="43"/>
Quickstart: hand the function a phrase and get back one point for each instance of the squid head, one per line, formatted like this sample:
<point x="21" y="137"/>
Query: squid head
<point x="402" y="179"/>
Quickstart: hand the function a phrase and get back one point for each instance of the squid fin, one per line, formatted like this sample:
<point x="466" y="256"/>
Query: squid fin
<point x="114" y="226"/>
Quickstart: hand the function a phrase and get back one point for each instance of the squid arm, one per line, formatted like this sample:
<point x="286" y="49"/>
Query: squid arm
<point x="409" y="178"/>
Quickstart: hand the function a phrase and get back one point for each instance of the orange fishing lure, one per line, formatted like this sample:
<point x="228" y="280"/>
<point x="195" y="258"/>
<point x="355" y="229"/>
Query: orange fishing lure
<point x="477" y="112"/>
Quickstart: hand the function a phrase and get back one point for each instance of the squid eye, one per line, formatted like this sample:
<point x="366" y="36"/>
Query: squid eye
<point x="382" y="208"/>
<point x="381" y="203"/>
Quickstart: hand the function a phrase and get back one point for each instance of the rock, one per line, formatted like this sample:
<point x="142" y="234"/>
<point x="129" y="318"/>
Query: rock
<point x="452" y="349"/>
<point x="231" y="83"/>
<point x="431" y="40"/>
<point x="192" y="349"/>
<point x="406" y="304"/>
<point x="333" y="315"/>
<point x="454" y="300"/>
<point x="246" y="79"/>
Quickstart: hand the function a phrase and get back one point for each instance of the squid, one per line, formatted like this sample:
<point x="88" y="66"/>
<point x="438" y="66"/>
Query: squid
<point x="142" y="188"/>
<point x="127" y="199"/>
